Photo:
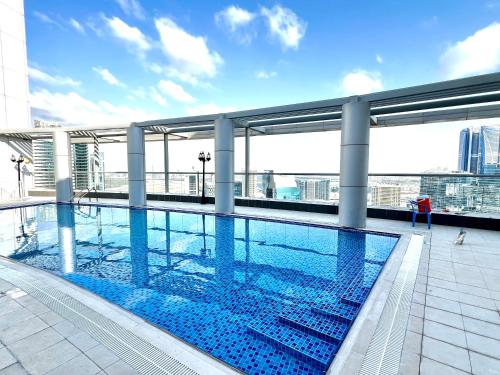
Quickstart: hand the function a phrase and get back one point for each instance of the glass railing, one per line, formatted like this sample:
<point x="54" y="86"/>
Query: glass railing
<point x="457" y="193"/>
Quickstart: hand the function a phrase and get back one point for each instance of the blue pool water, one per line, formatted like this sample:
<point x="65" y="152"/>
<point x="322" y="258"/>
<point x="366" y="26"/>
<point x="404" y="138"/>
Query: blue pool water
<point x="265" y="297"/>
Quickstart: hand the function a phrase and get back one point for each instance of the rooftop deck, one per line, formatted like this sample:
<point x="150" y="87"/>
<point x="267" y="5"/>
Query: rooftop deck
<point x="453" y="319"/>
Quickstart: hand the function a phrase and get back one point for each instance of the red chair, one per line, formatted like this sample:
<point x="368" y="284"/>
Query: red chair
<point x="421" y="206"/>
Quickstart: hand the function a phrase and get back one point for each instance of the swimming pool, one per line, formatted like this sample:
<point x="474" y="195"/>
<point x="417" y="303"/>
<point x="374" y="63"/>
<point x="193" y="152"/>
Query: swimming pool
<point x="263" y="296"/>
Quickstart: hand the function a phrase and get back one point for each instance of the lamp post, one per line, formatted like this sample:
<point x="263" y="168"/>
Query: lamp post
<point x="203" y="159"/>
<point x="19" y="161"/>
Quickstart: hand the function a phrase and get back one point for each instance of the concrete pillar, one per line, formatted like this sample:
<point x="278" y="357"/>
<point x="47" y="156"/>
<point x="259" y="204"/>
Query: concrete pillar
<point x="136" y="166"/>
<point x="63" y="168"/>
<point x="224" y="165"/>
<point x="354" y="154"/>
<point x="166" y="161"/>
<point x="247" y="162"/>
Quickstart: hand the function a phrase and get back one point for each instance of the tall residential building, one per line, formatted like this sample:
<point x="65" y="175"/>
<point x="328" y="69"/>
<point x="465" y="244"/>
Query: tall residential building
<point x="386" y="195"/>
<point x="268" y="184"/>
<point x="313" y="188"/>
<point x="490" y="150"/>
<point x="14" y="106"/>
<point x="43" y="164"/>
<point x="479" y="150"/>
<point x="43" y="152"/>
<point x="238" y="188"/>
<point x="80" y="159"/>
<point x="252" y="184"/>
<point x="192" y="184"/>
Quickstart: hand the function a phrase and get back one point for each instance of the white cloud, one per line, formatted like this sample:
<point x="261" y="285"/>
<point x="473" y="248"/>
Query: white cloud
<point x="76" y="25"/>
<point x="379" y="58"/>
<point x="107" y="76"/>
<point x="157" y="97"/>
<point x="175" y="91"/>
<point x="71" y="108"/>
<point x="45" y="18"/>
<point x="233" y="17"/>
<point x="262" y="74"/>
<point x="476" y="54"/>
<point x="130" y="34"/>
<point x="188" y="54"/>
<point x="284" y="25"/>
<point x="361" y="82"/>
<point x="207" y="109"/>
<point x="132" y="8"/>
<point x="38" y="75"/>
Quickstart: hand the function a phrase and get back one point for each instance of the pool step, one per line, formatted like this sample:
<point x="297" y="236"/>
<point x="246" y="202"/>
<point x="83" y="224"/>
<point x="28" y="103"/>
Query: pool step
<point x="320" y="326"/>
<point x="312" y="350"/>
<point x="342" y="312"/>
<point x="355" y="296"/>
<point x="357" y="292"/>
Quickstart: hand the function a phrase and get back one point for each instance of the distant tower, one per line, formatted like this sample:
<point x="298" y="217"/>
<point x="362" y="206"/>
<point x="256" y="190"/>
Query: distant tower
<point x="489" y="146"/>
<point x="479" y="150"/>
<point x="463" y="150"/>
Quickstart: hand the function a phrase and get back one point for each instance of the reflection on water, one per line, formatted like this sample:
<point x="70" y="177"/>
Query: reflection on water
<point x="232" y="287"/>
<point x="67" y="238"/>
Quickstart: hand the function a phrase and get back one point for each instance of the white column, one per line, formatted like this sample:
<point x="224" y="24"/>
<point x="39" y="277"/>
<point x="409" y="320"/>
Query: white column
<point x="354" y="153"/>
<point x="247" y="162"/>
<point x="136" y="166"/>
<point x="62" y="165"/>
<point x="224" y="165"/>
<point x="166" y="161"/>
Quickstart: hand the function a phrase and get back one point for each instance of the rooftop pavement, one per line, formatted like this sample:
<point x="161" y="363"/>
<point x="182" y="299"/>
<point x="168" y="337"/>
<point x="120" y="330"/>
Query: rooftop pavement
<point x="453" y="324"/>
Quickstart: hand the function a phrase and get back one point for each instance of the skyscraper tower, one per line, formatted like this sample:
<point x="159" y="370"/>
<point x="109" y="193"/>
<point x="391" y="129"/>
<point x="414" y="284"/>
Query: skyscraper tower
<point x="463" y="150"/>
<point x="479" y="150"/>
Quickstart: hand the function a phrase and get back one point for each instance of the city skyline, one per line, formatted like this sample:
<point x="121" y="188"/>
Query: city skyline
<point x="293" y="156"/>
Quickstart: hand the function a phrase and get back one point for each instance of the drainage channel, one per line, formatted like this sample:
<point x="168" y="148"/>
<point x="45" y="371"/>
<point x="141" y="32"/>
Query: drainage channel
<point x="141" y="355"/>
<point x="384" y="351"/>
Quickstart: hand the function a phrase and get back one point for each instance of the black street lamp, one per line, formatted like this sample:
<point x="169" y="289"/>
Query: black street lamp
<point x="19" y="161"/>
<point x="203" y="159"/>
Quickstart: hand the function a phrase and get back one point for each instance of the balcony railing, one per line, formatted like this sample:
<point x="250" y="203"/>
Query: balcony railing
<point x="457" y="193"/>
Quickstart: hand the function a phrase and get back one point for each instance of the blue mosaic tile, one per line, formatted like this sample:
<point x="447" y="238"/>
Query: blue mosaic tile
<point x="265" y="297"/>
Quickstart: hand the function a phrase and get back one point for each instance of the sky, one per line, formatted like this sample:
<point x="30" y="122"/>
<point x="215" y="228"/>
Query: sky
<point x="116" y="61"/>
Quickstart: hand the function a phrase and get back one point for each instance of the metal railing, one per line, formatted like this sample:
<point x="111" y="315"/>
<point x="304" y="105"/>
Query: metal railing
<point x="457" y="193"/>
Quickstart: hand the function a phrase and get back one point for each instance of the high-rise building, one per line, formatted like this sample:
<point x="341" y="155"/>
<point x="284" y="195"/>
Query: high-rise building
<point x="43" y="164"/>
<point x="238" y="188"/>
<point x="479" y="150"/>
<point x="490" y="150"/>
<point x="252" y="184"/>
<point x="43" y="152"/>
<point x="386" y="195"/>
<point x="192" y="184"/>
<point x="80" y="159"/>
<point x="14" y="106"/>
<point x="268" y="184"/>
<point x="463" y="150"/>
<point x="96" y="170"/>
<point x="313" y="188"/>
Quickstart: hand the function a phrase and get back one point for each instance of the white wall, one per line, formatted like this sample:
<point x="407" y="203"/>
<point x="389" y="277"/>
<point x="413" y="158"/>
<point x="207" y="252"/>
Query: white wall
<point x="14" y="104"/>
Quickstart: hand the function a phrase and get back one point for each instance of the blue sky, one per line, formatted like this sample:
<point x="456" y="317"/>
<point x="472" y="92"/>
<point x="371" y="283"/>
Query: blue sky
<point x="111" y="61"/>
<point x="230" y="56"/>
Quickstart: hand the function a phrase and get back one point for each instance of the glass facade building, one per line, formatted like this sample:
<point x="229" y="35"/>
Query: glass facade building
<point x="479" y="150"/>
<point x="44" y="165"/>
